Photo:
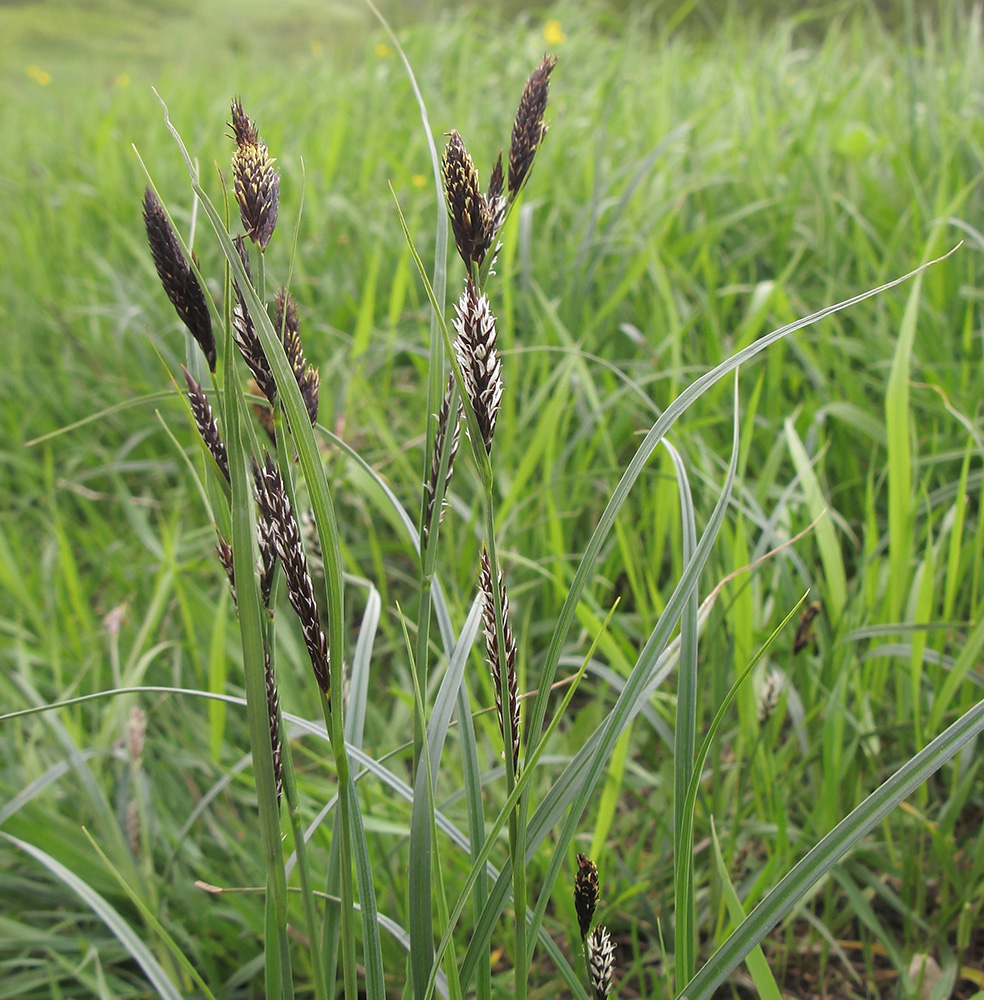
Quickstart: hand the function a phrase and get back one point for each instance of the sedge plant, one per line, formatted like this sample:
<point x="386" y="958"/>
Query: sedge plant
<point x="263" y="452"/>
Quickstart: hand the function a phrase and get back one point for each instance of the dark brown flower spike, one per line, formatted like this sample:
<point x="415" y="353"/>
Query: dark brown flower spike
<point x="206" y="424"/>
<point x="177" y="277"/>
<point x="251" y="349"/>
<point x="471" y="218"/>
<point x="529" y="128"/>
<point x="496" y="200"/>
<point x="273" y="712"/>
<point x="586" y="893"/>
<point x="286" y="324"/>
<point x="275" y="507"/>
<point x="474" y="347"/>
<point x="257" y="181"/>
<point x="444" y="424"/>
<point x="492" y="650"/>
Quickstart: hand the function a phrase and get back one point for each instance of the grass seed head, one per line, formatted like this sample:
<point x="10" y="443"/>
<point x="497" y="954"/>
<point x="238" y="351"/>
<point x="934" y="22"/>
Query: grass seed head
<point x="310" y="386"/>
<point x="251" y="349"/>
<point x="273" y="712"/>
<point x="256" y="180"/>
<point x="275" y="508"/>
<point x="495" y="198"/>
<point x="224" y="551"/>
<point x="586" y="893"/>
<point x="444" y="423"/>
<point x="474" y="347"/>
<point x="206" y="424"/>
<point x="286" y="324"/>
<point x="601" y="961"/>
<point x="180" y="283"/>
<point x="529" y="127"/>
<point x="492" y="649"/>
<point x="471" y="218"/>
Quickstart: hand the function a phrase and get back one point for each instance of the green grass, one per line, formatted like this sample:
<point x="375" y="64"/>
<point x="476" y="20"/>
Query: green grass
<point x="690" y="197"/>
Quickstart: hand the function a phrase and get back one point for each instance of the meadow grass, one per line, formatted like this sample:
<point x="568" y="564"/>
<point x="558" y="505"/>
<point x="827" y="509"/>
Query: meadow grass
<point x="690" y="197"/>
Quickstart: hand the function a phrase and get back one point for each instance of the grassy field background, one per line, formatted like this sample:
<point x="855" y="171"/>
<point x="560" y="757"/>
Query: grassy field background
<point x="696" y="190"/>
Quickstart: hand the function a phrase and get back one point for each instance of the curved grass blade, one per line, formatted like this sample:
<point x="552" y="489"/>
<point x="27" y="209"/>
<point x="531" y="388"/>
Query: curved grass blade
<point x="791" y="890"/>
<point x="123" y="932"/>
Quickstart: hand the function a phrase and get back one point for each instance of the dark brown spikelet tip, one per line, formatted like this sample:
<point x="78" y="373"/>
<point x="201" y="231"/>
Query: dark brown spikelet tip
<point x="310" y="386"/>
<point x="206" y="424"/>
<point x="273" y="712"/>
<point x="444" y="425"/>
<point x="288" y="328"/>
<point x="224" y="551"/>
<point x="492" y="650"/>
<point x="275" y="508"/>
<point x="471" y="218"/>
<point x="256" y="180"/>
<point x="601" y="962"/>
<point x="474" y="347"/>
<point x="529" y="128"/>
<point x="586" y="893"/>
<point x="495" y="198"/>
<point x="177" y="277"/>
<point x="266" y="540"/>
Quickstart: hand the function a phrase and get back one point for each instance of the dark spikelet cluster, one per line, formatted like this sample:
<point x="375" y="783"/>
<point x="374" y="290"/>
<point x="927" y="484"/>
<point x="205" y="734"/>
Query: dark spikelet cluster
<point x="286" y="324"/>
<point x="474" y="347"/>
<point x="205" y="422"/>
<point x="251" y="349"/>
<point x="529" y="127"/>
<point x="177" y="276"/>
<point x="273" y="711"/>
<point x="471" y="217"/>
<point x="267" y="542"/>
<point x="600" y="952"/>
<point x="257" y="181"/>
<point x="444" y="424"/>
<point x="492" y="650"/>
<point x="275" y="507"/>
<point x="498" y="204"/>
<point x="224" y="551"/>
<point x="586" y="893"/>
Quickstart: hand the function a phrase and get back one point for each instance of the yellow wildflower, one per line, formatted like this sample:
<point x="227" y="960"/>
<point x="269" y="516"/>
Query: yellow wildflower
<point x="36" y="73"/>
<point x="553" y="33"/>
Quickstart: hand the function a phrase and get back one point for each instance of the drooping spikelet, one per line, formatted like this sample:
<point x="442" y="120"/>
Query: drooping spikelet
<point x="251" y="349"/>
<point x="205" y="422"/>
<point x="273" y="712"/>
<point x="286" y="324"/>
<point x="586" y="893"/>
<point x="224" y="551"/>
<point x="276" y="508"/>
<point x="474" y="347"/>
<point x="257" y="181"/>
<point x="529" y="128"/>
<point x="492" y="650"/>
<point x="444" y="424"/>
<point x="601" y="961"/>
<point x="471" y="218"/>
<point x="177" y="276"/>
